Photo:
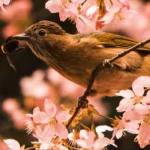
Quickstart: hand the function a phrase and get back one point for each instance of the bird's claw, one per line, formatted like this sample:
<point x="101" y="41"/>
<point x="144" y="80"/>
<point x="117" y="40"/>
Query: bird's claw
<point x="107" y="63"/>
<point x="82" y="102"/>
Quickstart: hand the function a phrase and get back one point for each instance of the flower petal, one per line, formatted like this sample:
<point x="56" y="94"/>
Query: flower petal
<point x="139" y="84"/>
<point x="119" y="133"/>
<point x="50" y="108"/>
<point x="125" y="105"/>
<point x="63" y="116"/>
<point x="141" y="109"/>
<point x="125" y="93"/>
<point x="103" y="128"/>
<point x="61" y="131"/>
<point x="12" y="144"/>
<point x="39" y="116"/>
<point x="53" y="6"/>
<point x="101" y="143"/>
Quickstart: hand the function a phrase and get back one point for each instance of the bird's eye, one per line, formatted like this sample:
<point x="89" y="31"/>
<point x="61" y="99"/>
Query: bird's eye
<point x="42" y="32"/>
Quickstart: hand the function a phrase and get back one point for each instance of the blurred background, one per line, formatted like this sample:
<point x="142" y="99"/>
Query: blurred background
<point x="26" y="88"/>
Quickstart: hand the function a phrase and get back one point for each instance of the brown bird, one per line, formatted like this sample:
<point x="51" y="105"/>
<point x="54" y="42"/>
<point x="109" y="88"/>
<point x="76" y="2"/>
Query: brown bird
<point x="75" y="56"/>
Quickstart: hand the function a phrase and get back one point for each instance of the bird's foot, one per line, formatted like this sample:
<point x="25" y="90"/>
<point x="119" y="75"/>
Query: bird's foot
<point x="82" y="102"/>
<point x="107" y="63"/>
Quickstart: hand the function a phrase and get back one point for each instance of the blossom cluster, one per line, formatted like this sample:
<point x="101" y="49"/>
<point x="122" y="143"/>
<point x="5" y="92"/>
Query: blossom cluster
<point x="50" y="125"/>
<point x="15" y="21"/>
<point x="49" y="128"/>
<point x="136" y="111"/>
<point x="4" y="2"/>
<point x="90" y="15"/>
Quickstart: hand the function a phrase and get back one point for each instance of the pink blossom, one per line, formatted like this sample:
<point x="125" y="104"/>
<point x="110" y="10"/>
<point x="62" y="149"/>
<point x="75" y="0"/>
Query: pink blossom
<point x="45" y="146"/>
<point x="83" y="12"/>
<point x="141" y="109"/>
<point x="124" y="124"/>
<point x="135" y="26"/>
<point x="146" y="100"/>
<point x="87" y="139"/>
<point x="84" y="25"/>
<point x="54" y="6"/>
<point x="125" y="3"/>
<point x="139" y="84"/>
<point x="126" y="94"/>
<point x="40" y="89"/>
<point x="65" y="9"/>
<point x="10" y="29"/>
<point x="4" y="2"/>
<point x="71" y="10"/>
<point x="3" y="145"/>
<point x="132" y="115"/>
<point x="127" y="103"/>
<point x="38" y="116"/>
<point x="92" y="12"/>
<point x="52" y="118"/>
<point x="132" y="98"/>
<point x="30" y="125"/>
<point x="45" y="135"/>
<point x="119" y="11"/>
<point x="144" y="135"/>
<point x="14" y="14"/>
<point x="103" y="128"/>
<point x="13" y="144"/>
<point x="10" y="105"/>
<point x="17" y="117"/>
<point x="111" y="14"/>
<point x="51" y="146"/>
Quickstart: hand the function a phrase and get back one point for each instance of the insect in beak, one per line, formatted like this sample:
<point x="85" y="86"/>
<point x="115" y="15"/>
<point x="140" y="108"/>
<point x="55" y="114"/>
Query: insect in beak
<point x="10" y="45"/>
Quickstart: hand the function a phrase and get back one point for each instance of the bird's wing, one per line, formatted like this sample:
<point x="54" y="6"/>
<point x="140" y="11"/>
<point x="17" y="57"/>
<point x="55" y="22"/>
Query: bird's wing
<point x="116" y="44"/>
<point x="114" y="40"/>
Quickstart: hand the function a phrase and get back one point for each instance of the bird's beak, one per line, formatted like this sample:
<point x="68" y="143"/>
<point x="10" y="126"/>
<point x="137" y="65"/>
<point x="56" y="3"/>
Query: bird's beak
<point x="21" y="36"/>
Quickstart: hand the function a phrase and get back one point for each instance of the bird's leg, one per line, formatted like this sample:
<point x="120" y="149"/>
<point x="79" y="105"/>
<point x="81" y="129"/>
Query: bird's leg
<point x="82" y="101"/>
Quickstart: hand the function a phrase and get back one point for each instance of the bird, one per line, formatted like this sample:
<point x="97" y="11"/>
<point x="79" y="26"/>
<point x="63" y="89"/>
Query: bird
<point x="76" y="55"/>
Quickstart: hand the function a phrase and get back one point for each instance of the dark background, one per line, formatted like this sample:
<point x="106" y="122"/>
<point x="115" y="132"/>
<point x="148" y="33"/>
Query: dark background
<point x="26" y="63"/>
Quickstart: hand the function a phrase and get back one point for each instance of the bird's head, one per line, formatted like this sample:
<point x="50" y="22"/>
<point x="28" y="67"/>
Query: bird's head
<point x="40" y="30"/>
<point x="40" y="36"/>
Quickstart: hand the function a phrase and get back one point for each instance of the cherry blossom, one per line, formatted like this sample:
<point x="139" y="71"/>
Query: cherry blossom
<point x="87" y="14"/>
<point x="51" y="146"/>
<point x="139" y="84"/>
<point x="13" y="144"/>
<point x="40" y="89"/>
<point x="136" y="117"/>
<point x="74" y="11"/>
<point x="88" y="139"/>
<point x="4" y="2"/>
<point x="44" y="135"/>
<point x="143" y="137"/>
<point x="52" y="118"/>
<point x="132" y="98"/>
<point x="124" y="124"/>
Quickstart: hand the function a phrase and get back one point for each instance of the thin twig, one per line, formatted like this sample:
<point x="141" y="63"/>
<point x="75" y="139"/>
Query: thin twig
<point x="98" y="69"/>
